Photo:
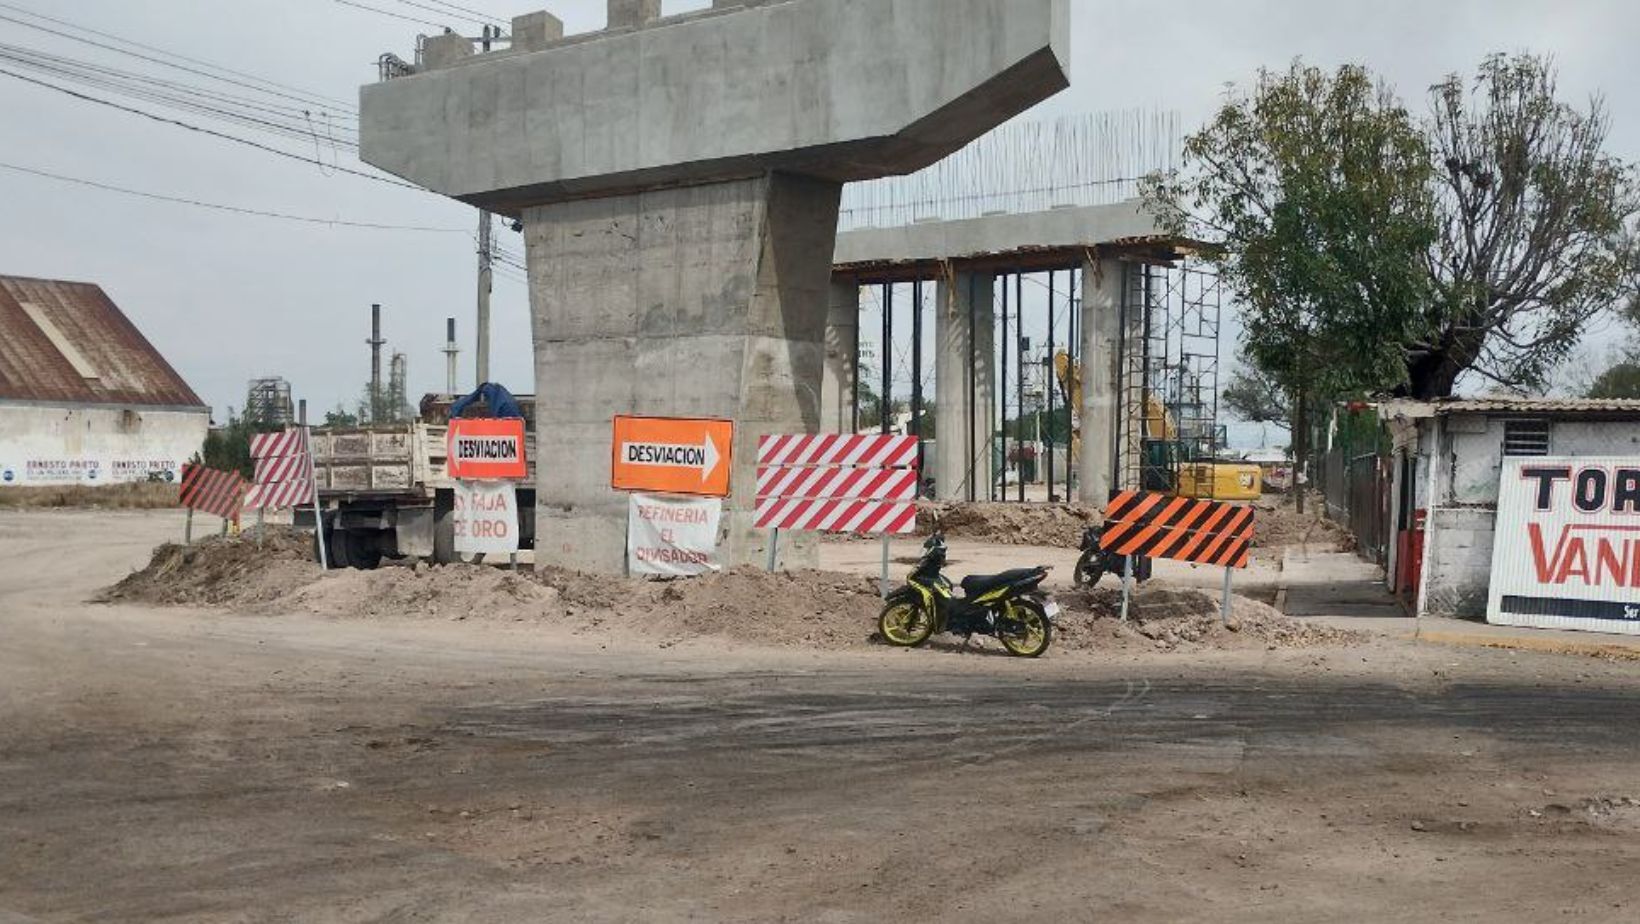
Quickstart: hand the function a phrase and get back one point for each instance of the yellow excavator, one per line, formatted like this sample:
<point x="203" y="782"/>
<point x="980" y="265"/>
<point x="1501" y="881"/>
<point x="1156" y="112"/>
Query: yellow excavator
<point x="1167" y="467"/>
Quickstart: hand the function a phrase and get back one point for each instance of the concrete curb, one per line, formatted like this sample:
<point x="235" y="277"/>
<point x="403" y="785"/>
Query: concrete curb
<point x="1620" y="652"/>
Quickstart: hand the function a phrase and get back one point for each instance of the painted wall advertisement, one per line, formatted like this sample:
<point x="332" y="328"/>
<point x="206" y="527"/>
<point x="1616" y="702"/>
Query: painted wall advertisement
<point x="672" y="536"/>
<point x="486" y="517"/>
<point x="86" y="471"/>
<point x="1566" y="552"/>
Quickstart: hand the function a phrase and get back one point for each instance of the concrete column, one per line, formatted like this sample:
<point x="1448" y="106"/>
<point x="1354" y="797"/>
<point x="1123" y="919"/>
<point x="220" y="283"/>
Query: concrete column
<point x="1101" y="330"/>
<point x="535" y="31"/>
<point x="956" y="464"/>
<point x="697" y="301"/>
<point x="633" y="14"/>
<point x="839" y="381"/>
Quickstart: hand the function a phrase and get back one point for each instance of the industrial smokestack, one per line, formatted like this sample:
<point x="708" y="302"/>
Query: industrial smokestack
<point x="375" y="342"/>
<point x="450" y="351"/>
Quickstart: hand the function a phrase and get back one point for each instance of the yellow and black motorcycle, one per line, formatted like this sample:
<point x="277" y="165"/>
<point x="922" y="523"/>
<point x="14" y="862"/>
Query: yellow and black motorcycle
<point x="1010" y="606"/>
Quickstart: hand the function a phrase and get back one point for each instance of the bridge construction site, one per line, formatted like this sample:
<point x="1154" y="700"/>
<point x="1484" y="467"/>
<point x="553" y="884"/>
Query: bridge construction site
<point x="831" y="511"/>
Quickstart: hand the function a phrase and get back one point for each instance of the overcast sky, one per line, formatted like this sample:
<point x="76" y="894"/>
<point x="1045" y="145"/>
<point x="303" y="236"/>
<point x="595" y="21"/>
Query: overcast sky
<point x="227" y="297"/>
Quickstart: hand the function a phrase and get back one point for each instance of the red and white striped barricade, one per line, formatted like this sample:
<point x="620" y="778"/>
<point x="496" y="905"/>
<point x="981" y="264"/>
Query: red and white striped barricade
<point x="212" y="491"/>
<point x="284" y="470"/>
<point x="284" y="478"/>
<point x="837" y="483"/>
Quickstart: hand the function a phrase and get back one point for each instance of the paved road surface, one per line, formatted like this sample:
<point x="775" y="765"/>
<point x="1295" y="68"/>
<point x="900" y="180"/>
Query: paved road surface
<point x="193" y="766"/>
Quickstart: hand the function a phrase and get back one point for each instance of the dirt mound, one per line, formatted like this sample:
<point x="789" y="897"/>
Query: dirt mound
<point x="450" y="592"/>
<point x="803" y="609"/>
<point x="222" y="570"/>
<point x="1277" y="524"/>
<point x="1009" y="524"/>
<point x="809" y="609"/>
<point x="1167" y="617"/>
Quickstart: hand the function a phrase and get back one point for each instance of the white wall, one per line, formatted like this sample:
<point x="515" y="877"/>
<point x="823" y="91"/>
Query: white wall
<point x="95" y="444"/>
<point x="1468" y="453"/>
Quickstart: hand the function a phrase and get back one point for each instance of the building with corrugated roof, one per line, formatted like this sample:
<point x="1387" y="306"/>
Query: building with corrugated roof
<point x="1445" y="471"/>
<point x="84" y="397"/>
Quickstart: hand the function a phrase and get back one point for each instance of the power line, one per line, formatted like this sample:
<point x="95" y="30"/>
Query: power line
<point x="467" y="9"/>
<point x="454" y="11"/>
<point x="289" y="123"/>
<point x="209" y="131"/>
<point x="377" y="9"/>
<point x="180" y="200"/>
<point x="259" y="84"/>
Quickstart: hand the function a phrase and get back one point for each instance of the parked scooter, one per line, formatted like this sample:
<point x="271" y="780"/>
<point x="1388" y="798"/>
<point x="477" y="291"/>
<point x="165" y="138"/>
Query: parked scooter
<point x="1010" y="606"/>
<point x="1096" y="561"/>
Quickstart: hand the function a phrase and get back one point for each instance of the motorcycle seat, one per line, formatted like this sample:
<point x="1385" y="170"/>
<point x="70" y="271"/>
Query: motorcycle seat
<point x="975" y="584"/>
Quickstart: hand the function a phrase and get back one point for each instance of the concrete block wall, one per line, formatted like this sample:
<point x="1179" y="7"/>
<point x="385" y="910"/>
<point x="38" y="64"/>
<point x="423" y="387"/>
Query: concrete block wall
<point x="1459" y="561"/>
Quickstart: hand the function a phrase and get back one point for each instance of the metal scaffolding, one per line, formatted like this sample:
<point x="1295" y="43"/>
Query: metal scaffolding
<point x="267" y="402"/>
<point x="1169" y="373"/>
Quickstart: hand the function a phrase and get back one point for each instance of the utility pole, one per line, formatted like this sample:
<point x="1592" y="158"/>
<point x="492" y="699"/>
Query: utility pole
<point x="482" y="355"/>
<point x="375" y="342"/>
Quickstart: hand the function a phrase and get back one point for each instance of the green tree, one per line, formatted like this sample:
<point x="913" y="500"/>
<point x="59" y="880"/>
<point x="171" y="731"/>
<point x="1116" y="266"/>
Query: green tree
<point x="1535" y="228"/>
<point x="1313" y="190"/>
<point x="1620" y="381"/>
<point x="341" y="417"/>
<point x="1256" y="398"/>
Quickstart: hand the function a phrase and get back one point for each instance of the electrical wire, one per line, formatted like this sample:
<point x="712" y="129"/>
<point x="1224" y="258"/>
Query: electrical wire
<point x="454" y="12"/>
<point x="278" y="120"/>
<point x="486" y="17"/>
<point x="181" y="200"/>
<point x="259" y="84"/>
<point x="208" y="131"/>
<point x="377" y="9"/>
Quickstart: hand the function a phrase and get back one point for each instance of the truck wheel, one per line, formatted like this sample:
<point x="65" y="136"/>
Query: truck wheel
<point x="444" y="528"/>
<point x="335" y="544"/>
<point x="364" y="548"/>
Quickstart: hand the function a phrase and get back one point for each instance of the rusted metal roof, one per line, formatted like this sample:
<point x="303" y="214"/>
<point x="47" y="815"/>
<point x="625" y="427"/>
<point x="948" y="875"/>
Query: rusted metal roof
<point x="68" y="342"/>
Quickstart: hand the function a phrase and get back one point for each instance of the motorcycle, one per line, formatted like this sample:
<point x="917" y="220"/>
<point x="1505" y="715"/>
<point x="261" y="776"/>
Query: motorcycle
<point x="1096" y="561"/>
<point x="1010" y="606"/>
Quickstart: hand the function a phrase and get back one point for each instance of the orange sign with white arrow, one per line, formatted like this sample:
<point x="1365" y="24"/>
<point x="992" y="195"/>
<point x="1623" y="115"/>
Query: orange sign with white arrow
<point x="672" y="455"/>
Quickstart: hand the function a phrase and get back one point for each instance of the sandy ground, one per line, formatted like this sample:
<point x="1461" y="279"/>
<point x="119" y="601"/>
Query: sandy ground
<point x="177" y="764"/>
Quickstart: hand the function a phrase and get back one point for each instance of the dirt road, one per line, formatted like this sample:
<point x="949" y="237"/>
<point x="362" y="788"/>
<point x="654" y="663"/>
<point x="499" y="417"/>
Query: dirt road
<point x="176" y="765"/>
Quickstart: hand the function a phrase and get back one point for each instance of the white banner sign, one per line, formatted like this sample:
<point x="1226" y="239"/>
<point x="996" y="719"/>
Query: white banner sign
<point x="1566" y="551"/>
<point x="486" y="516"/>
<point x="672" y="536"/>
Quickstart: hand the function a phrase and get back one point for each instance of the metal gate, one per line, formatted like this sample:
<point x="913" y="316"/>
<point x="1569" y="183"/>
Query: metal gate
<point x="1368" y="483"/>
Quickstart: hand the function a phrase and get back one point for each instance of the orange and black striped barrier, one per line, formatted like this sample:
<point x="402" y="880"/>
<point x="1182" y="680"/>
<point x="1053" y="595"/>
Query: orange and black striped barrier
<point x="1202" y="532"/>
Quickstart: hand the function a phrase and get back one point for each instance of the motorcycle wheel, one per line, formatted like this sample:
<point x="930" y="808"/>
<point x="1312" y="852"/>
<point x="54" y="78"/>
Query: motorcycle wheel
<point x="1088" y="569"/>
<point x="1035" y="631"/>
<point x="905" y="621"/>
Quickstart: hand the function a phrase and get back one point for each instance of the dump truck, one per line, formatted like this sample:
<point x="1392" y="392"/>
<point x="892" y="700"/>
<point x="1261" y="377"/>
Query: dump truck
<point x="385" y="493"/>
<point x="1167" y="464"/>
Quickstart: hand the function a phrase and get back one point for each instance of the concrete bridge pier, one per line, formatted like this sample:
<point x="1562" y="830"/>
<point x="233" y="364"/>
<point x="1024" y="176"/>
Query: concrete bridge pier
<point x="699" y="301"/>
<point x="678" y="181"/>
<point x="965" y="373"/>
<point x="1102" y="292"/>
<point x="840" y="382"/>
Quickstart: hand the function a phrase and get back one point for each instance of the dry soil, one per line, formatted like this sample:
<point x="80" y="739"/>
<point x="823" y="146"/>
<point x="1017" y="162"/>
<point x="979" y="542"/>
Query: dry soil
<point x="223" y="763"/>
